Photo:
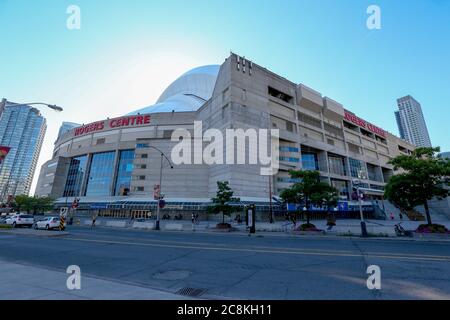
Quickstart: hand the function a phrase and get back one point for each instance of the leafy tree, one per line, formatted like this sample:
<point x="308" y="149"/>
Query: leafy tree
<point x="32" y="204"/>
<point x="309" y="190"/>
<point x="20" y="202"/>
<point x="222" y="199"/>
<point x="423" y="177"/>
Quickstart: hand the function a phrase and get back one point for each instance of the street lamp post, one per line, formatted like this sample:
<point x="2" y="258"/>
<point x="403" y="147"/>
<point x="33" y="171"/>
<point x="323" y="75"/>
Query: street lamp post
<point x="51" y="106"/>
<point x="160" y="196"/>
<point x="359" y="194"/>
<point x="270" y="200"/>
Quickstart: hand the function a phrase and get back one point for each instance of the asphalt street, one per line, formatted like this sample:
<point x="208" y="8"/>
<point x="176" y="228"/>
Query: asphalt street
<point x="236" y="266"/>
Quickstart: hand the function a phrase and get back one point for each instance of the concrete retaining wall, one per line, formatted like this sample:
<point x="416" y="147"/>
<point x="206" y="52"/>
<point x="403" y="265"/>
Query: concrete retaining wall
<point x="116" y="224"/>
<point x="173" y="226"/>
<point x="143" y="225"/>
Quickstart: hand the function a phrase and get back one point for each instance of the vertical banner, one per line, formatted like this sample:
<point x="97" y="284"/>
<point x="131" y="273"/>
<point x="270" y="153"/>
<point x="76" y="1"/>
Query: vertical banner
<point x="3" y="153"/>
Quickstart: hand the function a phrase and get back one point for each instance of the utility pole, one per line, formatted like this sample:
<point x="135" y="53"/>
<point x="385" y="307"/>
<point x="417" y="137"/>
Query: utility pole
<point x="357" y="183"/>
<point x="270" y="200"/>
<point x="159" y="195"/>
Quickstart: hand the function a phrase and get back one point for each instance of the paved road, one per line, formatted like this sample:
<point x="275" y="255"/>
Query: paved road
<point x="236" y="266"/>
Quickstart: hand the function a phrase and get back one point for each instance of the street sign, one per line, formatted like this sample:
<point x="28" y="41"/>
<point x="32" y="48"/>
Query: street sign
<point x="63" y="211"/>
<point x="251" y="218"/>
<point x="156" y="191"/>
<point x="75" y="203"/>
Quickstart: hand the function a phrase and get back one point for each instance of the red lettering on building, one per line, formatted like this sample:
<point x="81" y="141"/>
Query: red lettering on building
<point x="362" y="123"/>
<point x="114" y="123"/>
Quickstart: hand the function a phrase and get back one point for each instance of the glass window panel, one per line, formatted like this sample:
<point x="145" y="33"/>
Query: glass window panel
<point x="75" y="176"/>
<point x="100" y="174"/>
<point x="310" y="161"/>
<point x="124" y="172"/>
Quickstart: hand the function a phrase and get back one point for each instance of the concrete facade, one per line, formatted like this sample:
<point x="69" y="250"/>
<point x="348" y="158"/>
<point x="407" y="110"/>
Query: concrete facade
<point x="314" y="131"/>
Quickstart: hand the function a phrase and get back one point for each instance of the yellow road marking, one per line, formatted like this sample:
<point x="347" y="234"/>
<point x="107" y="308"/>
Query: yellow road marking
<point x="298" y="252"/>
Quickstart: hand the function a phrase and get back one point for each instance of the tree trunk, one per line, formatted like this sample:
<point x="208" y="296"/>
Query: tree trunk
<point x="427" y="211"/>
<point x="223" y="217"/>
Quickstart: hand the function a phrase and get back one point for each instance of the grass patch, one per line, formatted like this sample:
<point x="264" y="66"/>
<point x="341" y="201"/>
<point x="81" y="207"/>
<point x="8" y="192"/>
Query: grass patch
<point x="5" y="226"/>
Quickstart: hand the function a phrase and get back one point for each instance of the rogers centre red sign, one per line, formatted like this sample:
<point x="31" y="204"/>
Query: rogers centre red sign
<point x="364" y="124"/>
<point x="129" y="121"/>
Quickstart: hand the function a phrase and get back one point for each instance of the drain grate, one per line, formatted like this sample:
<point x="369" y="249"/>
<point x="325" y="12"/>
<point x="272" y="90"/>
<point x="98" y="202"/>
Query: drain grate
<point x="191" y="292"/>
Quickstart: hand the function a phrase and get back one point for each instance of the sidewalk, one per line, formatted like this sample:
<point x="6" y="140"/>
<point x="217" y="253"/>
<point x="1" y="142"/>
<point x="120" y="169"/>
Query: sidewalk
<point x="22" y="282"/>
<point x="344" y="227"/>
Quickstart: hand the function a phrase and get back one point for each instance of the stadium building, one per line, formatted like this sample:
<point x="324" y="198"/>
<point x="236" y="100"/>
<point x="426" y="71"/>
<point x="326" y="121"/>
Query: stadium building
<point x="113" y="165"/>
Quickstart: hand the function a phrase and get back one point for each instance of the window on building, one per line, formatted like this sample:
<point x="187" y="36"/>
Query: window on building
<point x="357" y="169"/>
<point x="333" y="130"/>
<point x="280" y="95"/>
<point x="289" y="159"/>
<point x="342" y="187"/>
<point x="310" y="161"/>
<point x="309" y="120"/>
<point x="374" y="172"/>
<point x="336" y="165"/>
<point x="100" y="174"/>
<point x="142" y="145"/>
<point x="144" y="156"/>
<point x="100" y="141"/>
<point x="290" y="126"/>
<point x="367" y="133"/>
<point x="288" y="149"/>
<point x="124" y="171"/>
<point x="353" y="148"/>
<point x="75" y="176"/>
<point x="351" y="126"/>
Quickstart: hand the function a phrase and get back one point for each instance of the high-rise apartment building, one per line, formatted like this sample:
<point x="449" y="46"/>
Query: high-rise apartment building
<point x="411" y="122"/>
<point x="22" y="128"/>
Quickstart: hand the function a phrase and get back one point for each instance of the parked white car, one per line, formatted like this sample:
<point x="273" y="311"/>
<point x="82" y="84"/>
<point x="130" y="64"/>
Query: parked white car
<point x="20" y="220"/>
<point x="48" y="223"/>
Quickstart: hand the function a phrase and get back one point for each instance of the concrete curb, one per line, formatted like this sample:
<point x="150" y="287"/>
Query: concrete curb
<point x="338" y="232"/>
<point x="35" y="233"/>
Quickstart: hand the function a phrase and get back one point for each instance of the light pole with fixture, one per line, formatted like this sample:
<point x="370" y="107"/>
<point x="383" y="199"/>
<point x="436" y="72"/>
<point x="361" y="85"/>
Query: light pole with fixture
<point x="160" y="196"/>
<point x="357" y="185"/>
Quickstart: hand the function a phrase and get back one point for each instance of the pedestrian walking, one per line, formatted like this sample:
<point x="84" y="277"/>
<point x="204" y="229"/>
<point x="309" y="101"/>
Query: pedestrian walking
<point x="94" y="218"/>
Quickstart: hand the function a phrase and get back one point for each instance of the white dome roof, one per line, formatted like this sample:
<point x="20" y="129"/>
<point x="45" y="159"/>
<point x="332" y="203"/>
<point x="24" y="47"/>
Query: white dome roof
<point x="188" y="93"/>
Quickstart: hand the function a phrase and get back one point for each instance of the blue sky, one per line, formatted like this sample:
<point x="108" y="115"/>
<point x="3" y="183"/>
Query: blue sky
<point x="128" y="51"/>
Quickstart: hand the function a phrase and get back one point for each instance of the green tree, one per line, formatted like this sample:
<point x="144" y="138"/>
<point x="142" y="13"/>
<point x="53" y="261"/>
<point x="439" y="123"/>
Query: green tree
<point x="222" y="200"/>
<point x="32" y="204"/>
<point x="20" y="202"/>
<point x="46" y="204"/>
<point x="423" y="177"/>
<point x="309" y="190"/>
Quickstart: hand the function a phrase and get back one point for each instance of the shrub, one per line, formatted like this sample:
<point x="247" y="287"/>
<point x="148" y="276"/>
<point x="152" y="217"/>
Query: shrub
<point x="432" y="228"/>
<point x="223" y="226"/>
<point x="307" y="227"/>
